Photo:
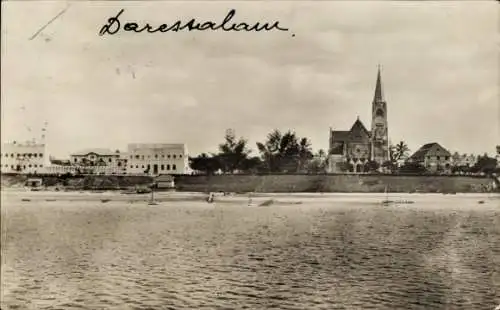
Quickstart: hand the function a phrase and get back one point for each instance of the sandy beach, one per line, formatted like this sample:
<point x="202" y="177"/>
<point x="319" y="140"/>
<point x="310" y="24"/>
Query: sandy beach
<point x="244" y="199"/>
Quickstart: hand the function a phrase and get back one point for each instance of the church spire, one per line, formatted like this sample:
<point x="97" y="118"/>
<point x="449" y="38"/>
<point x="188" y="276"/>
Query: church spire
<point x="379" y="94"/>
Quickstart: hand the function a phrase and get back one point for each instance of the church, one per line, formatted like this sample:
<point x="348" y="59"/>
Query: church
<point x="350" y="150"/>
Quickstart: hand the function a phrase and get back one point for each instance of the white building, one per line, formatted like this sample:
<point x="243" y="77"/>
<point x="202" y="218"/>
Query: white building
<point x="157" y="158"/>
<point x="99" y="161"/>
<point x="28" y="157"/>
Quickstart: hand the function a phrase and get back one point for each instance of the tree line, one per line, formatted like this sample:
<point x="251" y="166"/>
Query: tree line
<point x="281" y="152"/>
<point x="286" y="152"/>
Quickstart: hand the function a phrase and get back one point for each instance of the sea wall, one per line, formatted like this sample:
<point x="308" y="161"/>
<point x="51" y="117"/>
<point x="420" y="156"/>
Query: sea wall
<point x="87" y="182"/>
<point x="333" y="183"/>
<point x="272" y="183"/>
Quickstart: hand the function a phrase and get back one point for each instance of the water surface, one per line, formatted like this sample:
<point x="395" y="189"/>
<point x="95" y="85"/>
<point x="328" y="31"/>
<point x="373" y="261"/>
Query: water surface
<point x="327" y="254"/>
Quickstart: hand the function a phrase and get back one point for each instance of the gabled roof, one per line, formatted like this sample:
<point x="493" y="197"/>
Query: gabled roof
<point x="340" y="135"/>
<point x="430" y="149"/>
<point x="98" y="151"/>
<point x="358" y="128"/>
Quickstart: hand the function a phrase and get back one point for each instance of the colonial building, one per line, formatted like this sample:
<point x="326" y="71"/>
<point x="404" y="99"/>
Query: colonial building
<point x="28" y="157"/>
<point x="433" y="157"/>
<point x="157" y="158"/>
<point x="352" y="149"/>
<point x="99" y="161"/>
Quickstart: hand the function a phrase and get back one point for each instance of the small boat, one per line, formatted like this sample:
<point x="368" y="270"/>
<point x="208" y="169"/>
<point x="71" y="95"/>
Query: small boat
<point x="480" y="202"/>
<point x="105" y="200"/>
<point x="387" y="202"/>
<point x="267" y="203"/>
<point x="152" y="201"/>
<point x="210" y="198"/>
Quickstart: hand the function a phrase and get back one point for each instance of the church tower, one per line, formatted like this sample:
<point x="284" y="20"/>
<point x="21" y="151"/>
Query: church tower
<point x="379" y="130"/>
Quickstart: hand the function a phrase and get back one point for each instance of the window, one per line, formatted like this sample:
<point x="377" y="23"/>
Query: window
<point x="174" y="156"/>
<point x="12" y="155"/>
<point x="156" y="155"/>
<point x="35" y="155"/>
<point x="137" y="166"/>
<point x="131" y="156"/>
<point x="76" y="160"/>
<point x="29" y="166"/>
<point x="446" y="157"/>
<point x="131" y="167"/>
<point x="40" y="155"/>
<point x="168" y="156"/>
<point x="163" y="156"/>
<point x="168" y="167"/>
<point x="142" y="157"/>
<point x="110" y="160"/>
<point x="173" y="167"/>
<point x="40" y="166"/>
<point x="34" y="166"/>
<point x="162" y="167"/>
<point x="142" y="166"/>
<point x="180" y="156"/>
<point x="136" y="156"/>
<point x="437" y="157"/>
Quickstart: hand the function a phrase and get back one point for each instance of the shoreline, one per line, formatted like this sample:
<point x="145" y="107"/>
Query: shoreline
<point x="276" y="198"/>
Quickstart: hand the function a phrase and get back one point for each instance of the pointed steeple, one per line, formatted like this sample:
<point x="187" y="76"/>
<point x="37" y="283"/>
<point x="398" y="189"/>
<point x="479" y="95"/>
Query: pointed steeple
<point x="379" y="94"/>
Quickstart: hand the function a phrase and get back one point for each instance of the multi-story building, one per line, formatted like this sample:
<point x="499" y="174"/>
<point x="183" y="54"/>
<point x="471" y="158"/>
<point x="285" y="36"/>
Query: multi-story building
<point x="157" y="158"/>
<point x="99" y="161"/>
<point x="358" y="145"/>
<point x="433" y="157"/>
<point x="27" y="157"/>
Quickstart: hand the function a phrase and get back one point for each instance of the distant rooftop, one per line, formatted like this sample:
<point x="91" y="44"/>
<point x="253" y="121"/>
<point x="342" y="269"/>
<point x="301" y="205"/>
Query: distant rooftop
<point x="98" y="151"/>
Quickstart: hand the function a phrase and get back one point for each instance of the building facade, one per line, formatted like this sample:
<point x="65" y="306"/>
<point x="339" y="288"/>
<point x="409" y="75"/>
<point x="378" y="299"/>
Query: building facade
<point x="157" y="158"/>
<point x="99" y="161"/>
<point x="26" y="158"/>
<point x="351" y="149"/>
<point x="433" y="157"/>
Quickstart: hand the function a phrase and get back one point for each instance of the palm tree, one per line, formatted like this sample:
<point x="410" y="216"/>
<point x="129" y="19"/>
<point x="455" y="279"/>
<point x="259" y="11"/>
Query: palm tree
<point x="401" y="150"/>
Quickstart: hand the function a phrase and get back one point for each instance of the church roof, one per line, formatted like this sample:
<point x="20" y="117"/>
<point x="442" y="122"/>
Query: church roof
<point x="358" y="127"/>
<point x="357" y="130"/>
<point x="340" y="135"/>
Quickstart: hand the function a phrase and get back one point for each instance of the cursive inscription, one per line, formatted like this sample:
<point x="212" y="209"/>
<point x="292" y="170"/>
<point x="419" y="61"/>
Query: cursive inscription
<point x="114" y="25"/>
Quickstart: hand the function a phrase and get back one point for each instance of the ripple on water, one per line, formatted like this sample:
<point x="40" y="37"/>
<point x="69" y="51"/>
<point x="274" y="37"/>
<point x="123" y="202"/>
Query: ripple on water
<point x="333" y="257"/>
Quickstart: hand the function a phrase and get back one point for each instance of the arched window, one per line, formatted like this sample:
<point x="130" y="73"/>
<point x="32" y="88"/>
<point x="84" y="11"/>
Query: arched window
<point x="379" y="112"/>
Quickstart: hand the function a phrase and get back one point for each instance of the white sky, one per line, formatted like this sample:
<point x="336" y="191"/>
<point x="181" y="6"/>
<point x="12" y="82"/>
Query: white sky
<point x="440" y="72"/>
